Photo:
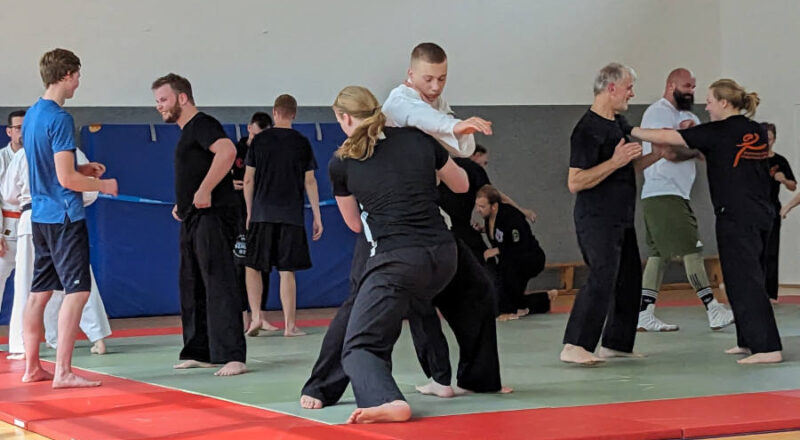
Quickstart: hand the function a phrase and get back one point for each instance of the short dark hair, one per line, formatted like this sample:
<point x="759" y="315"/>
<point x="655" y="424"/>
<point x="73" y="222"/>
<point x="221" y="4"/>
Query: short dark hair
<point x="479" y="149"/>
<point x="56" y="64"/>
<point x="769" y="126"/>
<point x="285" y="105"/>
<point x="261" y="119"/>
<point x="429" y="52"/>
<point x="490" y="193"/>
<point x="177" y="83"/>
<point x="15" y="114"/>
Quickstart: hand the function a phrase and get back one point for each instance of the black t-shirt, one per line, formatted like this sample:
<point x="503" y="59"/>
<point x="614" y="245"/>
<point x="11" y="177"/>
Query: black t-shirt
<point x="396" y="189"/>
<point x="512" y="235"/>
<point x="192" y="162"/>
<point x="778" y="164"/>
<point x="281" y="157"/>
<point x="237" y="170"/>
<point x="460" y="206"/>
<point x="738" y="171"/>
<point x="593" y="142"/>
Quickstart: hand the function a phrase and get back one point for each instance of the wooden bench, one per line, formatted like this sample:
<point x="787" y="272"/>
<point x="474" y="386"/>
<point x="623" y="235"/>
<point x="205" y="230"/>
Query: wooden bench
<point x="567" y="275"/>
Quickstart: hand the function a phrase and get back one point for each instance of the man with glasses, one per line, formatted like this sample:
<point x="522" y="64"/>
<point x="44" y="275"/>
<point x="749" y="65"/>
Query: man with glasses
<point x="10" y="213"/>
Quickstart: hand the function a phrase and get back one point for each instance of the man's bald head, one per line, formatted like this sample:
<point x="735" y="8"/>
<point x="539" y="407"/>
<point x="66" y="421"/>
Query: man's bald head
<point x="680" y="87"/>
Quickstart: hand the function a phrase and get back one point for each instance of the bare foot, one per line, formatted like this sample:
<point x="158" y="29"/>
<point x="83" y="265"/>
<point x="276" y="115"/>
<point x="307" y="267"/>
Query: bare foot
<point x="523" y="312"/>
<point x="397" y="411"/>
<point x="463" y="391"/>
<point x="16" y="356"/>
<point x="99" y="347"/>
<point x="309" y="402"/>
<point x="232" y="368"/>
<point x="738" y="350"/>
<point x="578" y="355"/>
<point x="254" y="328"/>
<point x="436" y="389"/>
<point x="772" y="357"/>
<point x="267" y="327"/>
<point x="294" y="331"/>
<point x="192" y="364"/>
<point x="607" y="353"/>
<point x="507" y="317"/>
<point x="38" y="375"/>
<point x="552" y="294"/>
<point x="72" y="381"/>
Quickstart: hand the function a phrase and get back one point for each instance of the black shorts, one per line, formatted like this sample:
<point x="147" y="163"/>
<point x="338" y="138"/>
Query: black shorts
<point x="61" y="257"/>
<point x="278" y="245"/>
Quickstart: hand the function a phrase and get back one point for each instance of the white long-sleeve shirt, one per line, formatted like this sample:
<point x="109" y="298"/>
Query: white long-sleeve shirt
<point x="15" y="189"/>
<point x="405" y="108"/>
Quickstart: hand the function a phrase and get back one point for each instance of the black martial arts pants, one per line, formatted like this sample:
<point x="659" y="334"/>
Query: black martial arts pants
<point x="609" y="302"/>
<point x="513" y="276"/>
<point x="742" y="255"/>
<point x="328" y="380"/>
<point x="211" y="303"/>
<point x="773" y="252"/>
<point x="467" y="303"/>
<point x="391" y="280"/>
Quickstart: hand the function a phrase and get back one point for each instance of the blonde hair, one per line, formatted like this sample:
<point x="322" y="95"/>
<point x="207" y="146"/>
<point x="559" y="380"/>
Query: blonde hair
<point x="736" y="95"/>
<point x="360" y="103"/>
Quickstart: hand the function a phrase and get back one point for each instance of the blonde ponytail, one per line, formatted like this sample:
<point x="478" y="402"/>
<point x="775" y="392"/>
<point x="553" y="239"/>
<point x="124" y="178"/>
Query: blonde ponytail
<point x="360" y="103"/>
<point x="736" y="95"/>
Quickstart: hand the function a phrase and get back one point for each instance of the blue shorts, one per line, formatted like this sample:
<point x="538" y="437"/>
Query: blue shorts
<point x="61" y="257"/>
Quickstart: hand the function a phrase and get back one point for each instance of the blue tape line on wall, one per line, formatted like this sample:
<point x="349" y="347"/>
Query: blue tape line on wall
<point x="134" y="199"/>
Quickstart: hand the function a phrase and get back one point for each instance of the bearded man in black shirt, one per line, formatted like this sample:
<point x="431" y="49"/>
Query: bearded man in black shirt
<point x="208" y="209"/>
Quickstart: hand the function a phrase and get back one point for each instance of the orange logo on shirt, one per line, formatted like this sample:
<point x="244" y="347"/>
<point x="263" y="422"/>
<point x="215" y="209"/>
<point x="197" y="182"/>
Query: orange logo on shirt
<point x="749" y="149"/>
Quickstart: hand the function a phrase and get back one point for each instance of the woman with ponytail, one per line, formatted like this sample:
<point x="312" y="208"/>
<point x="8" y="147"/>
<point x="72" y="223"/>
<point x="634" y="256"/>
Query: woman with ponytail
<point x="384" y="181"/>
<point x="738" y="173"/>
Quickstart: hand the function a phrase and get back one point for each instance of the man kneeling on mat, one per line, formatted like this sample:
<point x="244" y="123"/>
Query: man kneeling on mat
<point x="519" y="256"/>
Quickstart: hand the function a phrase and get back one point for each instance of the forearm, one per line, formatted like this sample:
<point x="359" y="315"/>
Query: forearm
<point x="247" y="189"/>
<point x="658" y="136"/>
<point x="313" y="198"/>
<point x="506" y="199"/>
<point x="589" y="178"/>
<point x="80" y="183"/>
<point x="791" y="185"/>
<point x="220" y="167"/>
<point x="792" y="203"/>
<point x="645" y="161"/>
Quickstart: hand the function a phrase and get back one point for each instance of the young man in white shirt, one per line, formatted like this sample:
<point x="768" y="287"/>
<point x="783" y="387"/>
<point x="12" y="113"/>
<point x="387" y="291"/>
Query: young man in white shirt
<point x="669" y="219"/>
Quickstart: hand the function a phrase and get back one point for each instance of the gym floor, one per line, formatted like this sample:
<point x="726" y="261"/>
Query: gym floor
<point x="685" y="387"/>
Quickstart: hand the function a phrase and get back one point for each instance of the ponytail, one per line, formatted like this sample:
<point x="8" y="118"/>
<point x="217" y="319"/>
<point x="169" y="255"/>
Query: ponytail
<point x="360" y="103"/>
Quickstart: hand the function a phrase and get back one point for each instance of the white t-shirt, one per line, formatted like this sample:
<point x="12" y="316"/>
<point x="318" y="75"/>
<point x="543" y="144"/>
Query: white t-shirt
<point x="405" y="108"/>
<point x="664" y="177"/>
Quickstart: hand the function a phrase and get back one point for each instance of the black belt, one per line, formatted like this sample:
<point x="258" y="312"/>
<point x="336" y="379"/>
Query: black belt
<point x="25" y="207"/>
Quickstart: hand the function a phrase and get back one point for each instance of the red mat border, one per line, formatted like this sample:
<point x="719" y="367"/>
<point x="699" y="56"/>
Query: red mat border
<point x="127" y="409"/>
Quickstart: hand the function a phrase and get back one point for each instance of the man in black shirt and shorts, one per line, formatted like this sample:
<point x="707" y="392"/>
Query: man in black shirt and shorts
<point x="259" y="122"/>
<point x="208" y="209"/>
<point x="280" y="167"/>
<point x="601" y="173"/>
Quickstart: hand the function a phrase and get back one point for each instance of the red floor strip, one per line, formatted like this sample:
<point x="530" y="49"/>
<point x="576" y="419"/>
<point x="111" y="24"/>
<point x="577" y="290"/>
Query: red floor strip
<point x="126" y="409"/>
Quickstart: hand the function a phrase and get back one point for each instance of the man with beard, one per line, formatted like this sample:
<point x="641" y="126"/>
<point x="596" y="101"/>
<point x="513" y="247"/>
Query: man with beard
<point x="668" y="216"/>
<point x="208" y="209"/>
<point x="519" y="256"/>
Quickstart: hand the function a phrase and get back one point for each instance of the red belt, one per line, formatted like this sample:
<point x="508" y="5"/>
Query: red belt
<point x="11" y="214"/>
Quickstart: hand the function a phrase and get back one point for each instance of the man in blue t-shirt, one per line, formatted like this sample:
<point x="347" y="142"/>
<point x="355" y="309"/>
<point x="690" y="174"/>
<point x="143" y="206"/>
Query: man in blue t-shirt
<point x="60" y="237"/>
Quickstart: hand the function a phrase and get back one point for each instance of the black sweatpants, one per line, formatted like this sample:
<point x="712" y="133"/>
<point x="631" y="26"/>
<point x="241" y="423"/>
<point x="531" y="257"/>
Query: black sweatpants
<point x="328" y="380"/>
<point x="772" y="255"/>
<point x="211" y="304"/>
<point x="742" y="254"/>
<point x="390" y="282"/>
<point x="609" y="302"/>
<point x="467" y="303"/>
